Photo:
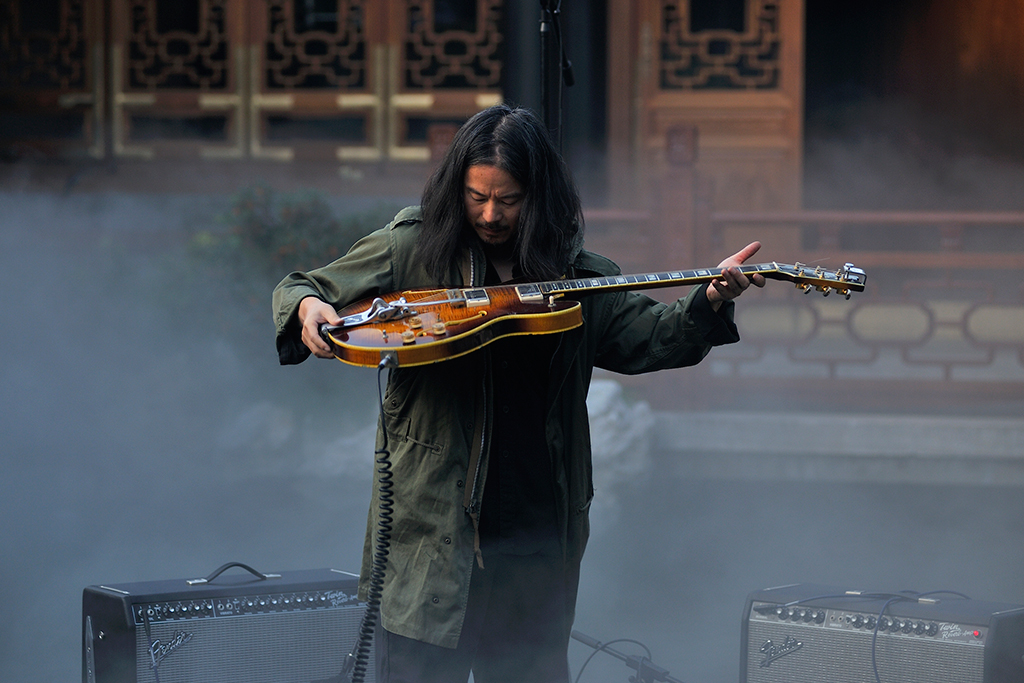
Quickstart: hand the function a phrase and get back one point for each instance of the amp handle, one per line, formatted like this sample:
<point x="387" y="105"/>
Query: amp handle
<point x="220" y="570"/>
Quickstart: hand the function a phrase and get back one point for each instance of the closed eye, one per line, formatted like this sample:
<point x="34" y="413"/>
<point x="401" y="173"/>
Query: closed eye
<point x="507" y="200"/>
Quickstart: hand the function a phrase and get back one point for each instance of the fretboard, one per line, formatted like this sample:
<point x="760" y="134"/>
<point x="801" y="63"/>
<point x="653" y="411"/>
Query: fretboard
<point x="672" y="278"/>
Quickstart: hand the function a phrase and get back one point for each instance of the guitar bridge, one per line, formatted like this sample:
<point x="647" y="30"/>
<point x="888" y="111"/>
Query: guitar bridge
<point x="379" y="311"/>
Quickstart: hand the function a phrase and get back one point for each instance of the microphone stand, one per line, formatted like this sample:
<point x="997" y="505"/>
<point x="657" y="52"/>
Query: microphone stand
<point x="646" y="670"/>
<point x="555" y="69"/>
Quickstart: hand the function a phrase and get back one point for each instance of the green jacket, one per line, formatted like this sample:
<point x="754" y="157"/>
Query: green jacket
<point x="430" y="414"/>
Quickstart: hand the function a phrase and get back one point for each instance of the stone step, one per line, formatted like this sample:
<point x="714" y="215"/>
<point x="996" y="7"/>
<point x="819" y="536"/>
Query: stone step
<point x="833" y="447"/>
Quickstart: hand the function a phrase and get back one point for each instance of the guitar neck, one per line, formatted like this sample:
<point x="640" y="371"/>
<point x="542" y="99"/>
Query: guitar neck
<point x="844" y="280"/>
<point x="672" y="278"/>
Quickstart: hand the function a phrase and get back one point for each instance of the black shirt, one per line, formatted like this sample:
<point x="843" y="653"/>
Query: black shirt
<point x="518" y="510"/>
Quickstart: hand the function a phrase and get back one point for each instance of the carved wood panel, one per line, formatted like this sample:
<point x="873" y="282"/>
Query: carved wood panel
<point x="727" y="73"/>
<point x="705" y="46"/>
<point x="51" y="76"/>
<point x="446" y="64"/>
<point x="369" y="80"/>
<point x="347" y="80"/>
<point x="317" y="79"/>
<point x="176" y="75"/>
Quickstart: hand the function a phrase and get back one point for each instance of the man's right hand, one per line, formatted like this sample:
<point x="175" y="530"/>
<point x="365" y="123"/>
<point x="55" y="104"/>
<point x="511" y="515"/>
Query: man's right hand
<point x="312" y="314"/>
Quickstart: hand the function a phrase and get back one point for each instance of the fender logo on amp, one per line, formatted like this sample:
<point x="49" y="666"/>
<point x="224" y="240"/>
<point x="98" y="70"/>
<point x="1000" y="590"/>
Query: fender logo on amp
<point x="771" y="651"/>
<point x="158" y="651"/>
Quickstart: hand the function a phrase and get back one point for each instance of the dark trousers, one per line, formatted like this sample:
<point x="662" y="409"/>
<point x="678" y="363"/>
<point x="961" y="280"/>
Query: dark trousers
<point x="515" y="630"/>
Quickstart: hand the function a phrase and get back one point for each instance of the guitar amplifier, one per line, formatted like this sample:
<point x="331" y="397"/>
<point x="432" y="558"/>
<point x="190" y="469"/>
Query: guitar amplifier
<point x="293" y="627"/>
<point x="810" y="633"/>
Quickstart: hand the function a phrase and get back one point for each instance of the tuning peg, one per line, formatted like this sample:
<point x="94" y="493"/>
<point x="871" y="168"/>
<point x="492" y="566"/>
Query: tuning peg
<point x="806" y="288"/>
<point x="824" y="290"/>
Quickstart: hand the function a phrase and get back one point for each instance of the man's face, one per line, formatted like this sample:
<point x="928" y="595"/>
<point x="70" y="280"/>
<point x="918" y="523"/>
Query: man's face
<point x="493" y="199"/>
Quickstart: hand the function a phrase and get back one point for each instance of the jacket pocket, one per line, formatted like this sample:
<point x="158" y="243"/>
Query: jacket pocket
<point x="399" y="430"/>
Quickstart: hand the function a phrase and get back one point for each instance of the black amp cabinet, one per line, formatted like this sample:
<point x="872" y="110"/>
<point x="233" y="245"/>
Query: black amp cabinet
<point x="810" y="633"/>
<point x="293" y="627"/>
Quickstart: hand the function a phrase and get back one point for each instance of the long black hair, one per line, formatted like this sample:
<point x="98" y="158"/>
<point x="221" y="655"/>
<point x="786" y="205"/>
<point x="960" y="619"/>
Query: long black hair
<point x="550" y="219"/>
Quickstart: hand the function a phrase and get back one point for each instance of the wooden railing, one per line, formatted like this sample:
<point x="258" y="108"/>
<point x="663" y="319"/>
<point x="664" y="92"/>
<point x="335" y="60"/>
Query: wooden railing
<point x="899" y="239"/>
<point x="873" y="238"/>
<point x="943" y="306"/>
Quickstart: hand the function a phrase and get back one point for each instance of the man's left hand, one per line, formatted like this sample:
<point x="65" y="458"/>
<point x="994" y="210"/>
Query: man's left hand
<point x="733" y="282"/>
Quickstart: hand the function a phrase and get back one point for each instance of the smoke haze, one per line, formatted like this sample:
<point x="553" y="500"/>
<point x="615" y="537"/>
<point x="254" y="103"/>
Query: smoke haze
<point x="139" y="446"/>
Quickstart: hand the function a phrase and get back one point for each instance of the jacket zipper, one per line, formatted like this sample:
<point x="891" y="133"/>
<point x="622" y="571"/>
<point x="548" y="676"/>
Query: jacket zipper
<point x="473" y="509"/>
<point x="474" y="505"/>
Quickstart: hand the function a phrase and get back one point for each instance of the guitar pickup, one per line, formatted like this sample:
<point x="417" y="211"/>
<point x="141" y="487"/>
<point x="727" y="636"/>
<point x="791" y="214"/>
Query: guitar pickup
<point x="476" y="297"/>
<point x="531" y="293"/>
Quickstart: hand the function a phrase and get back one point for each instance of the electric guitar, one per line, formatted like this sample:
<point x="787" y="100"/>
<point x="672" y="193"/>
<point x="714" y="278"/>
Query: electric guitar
<point x="422" y="326"/>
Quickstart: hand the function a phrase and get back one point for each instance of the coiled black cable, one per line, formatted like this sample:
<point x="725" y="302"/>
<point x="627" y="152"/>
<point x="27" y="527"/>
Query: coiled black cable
<point x="359" y="659"/>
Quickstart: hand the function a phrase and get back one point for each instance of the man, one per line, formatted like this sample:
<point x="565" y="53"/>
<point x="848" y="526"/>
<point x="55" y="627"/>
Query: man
<point x="491" y="451"/>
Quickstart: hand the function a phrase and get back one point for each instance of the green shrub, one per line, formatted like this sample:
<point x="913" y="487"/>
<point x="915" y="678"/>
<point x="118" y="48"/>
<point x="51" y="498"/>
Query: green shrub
<point x="267" y="236"/>
<point x="260" y="239"/>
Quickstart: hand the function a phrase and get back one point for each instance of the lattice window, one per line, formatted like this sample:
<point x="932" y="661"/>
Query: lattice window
<point x="178" y="45"/>
<point x="315" y="44"/>
<point x="42" y="45"/>
<point x="719" y="45"/>
<point x="452" y="44"/>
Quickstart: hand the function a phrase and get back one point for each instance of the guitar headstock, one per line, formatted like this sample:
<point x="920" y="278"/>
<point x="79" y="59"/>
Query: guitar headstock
<point x="844" y="280"/>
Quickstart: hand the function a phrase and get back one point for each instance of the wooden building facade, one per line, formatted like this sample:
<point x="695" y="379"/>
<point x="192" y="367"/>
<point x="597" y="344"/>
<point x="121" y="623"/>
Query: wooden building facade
<point x="366" y="81"/>
<point x="687" y="126"/>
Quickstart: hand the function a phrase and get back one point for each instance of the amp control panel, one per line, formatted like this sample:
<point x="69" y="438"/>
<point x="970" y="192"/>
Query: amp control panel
<point x="872" y="622"/>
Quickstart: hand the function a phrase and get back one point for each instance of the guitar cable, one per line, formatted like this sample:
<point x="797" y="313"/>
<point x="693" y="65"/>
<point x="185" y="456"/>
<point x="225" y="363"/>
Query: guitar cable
<point x="358" y="660"/>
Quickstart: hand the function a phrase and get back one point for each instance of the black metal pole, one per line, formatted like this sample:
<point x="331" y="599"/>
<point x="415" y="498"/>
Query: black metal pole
<point x="550" y="74"/>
